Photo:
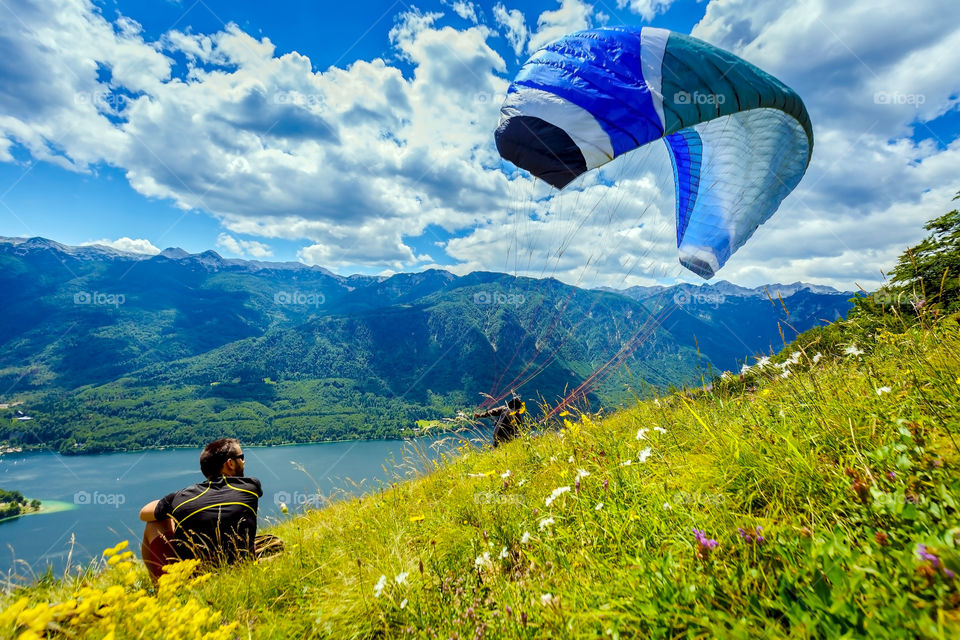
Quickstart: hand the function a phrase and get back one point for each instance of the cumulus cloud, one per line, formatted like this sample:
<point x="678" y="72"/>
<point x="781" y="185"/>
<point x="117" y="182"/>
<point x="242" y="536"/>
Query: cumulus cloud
<point x="352" y="161"/>
<point x="647" y="9"/>
<point x="273" y="145"/>
<point x="243" y="248"/>
<point x="870" y="76"/>
<point x="572" y="15"/>
<point x="466" y="10"/>
<point x="514" y="25"/>
<point x="130" y="245"/>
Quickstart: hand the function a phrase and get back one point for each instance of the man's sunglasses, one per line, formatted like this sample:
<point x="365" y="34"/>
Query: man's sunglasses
<point x="239" y="457"/>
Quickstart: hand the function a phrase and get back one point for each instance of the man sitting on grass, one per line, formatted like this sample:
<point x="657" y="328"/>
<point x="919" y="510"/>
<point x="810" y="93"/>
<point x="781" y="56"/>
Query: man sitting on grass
<point x="214" y="521"/>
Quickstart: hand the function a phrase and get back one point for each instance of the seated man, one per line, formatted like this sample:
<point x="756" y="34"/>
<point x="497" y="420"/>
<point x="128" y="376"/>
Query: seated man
<point x="214" y="521"/>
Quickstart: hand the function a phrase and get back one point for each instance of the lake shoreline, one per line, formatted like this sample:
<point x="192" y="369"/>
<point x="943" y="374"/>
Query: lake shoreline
<point x="81" y="454"/>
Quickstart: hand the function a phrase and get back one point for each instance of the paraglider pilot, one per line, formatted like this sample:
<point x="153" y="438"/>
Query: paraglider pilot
<point x="509" y="419"/>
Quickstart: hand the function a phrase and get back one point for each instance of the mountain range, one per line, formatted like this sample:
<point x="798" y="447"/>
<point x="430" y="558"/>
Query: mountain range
<point x="108" y="349"/>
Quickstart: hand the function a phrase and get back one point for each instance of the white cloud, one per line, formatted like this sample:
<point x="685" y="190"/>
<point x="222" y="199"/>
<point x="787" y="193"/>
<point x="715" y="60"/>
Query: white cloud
<point x="352" y="161"/>
<point x="870" y="75"/>
<point x="647" y="9"/>
<point x="466" y="10"/>
<point x="243" y="248"/>
<point x="514" y="25"/>
<point x="130" y="245"/>
<point x="572" y="15"/>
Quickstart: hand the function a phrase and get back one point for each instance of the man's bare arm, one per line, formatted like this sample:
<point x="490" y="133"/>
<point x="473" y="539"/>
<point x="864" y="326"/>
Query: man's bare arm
<point x="149" y="510"/>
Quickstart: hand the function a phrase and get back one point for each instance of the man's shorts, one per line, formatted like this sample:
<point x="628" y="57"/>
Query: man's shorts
<point x="160" y="552"/>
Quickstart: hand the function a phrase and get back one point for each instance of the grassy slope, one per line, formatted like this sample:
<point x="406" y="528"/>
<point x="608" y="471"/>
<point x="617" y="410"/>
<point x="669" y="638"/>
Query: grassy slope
<point x="845" y="478"/>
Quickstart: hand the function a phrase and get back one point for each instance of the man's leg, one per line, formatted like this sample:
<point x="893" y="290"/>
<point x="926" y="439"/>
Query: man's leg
<point x="155" y="548"/>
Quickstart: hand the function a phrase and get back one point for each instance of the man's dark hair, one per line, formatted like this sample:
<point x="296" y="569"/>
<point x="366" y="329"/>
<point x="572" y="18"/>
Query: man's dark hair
<point x="216" y="454"/>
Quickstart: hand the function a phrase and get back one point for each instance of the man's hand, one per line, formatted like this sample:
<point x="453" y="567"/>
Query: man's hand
<point x="148" y="512"/>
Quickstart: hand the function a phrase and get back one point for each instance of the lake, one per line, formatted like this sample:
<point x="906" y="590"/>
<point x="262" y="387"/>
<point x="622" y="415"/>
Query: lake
<point x="96" y="499"/>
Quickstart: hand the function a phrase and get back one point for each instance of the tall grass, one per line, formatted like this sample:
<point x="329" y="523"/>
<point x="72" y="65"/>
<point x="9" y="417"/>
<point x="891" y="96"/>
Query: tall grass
<point x="823" y="489"/>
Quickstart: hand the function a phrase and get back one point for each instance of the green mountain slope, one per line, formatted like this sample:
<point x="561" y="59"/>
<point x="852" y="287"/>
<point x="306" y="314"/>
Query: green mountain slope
<point x="112" y="350"/>
<point x="644" y="524"/>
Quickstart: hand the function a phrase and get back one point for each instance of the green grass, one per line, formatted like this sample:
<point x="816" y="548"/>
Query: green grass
<point x="847" y="465"/>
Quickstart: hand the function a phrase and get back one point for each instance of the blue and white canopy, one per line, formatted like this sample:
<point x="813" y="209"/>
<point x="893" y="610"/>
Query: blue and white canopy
<point x="740" y="140"/>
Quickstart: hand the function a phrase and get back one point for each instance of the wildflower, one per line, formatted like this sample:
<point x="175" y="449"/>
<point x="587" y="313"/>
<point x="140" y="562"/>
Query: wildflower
<point x="417" y="518"/>
<point x="882" y="538"/>
<point x="642" y="434"/>
<point x="762" y="362"/>
<point x="378" y="588"/>
<point x="403" y="603"/>
<point x="503" y="553"/>
<point x="927" y="555"/>
<point x="785" y="374"/>
<point x="546" y="522"/>
<point x="852" y="350"/>
<point x="666" y="506"/>
<point x="606" y="484"/>
<point x="571" y="460"/>
<point x="522" y="482"/>
<point x="883" y="390"/>
<point x="626" y="463"/>
<point x="505" y="474"/>
<point x="559" y="491"/>
<point x="744" y="369"/>
<point x="576" y="484"/>
<point x="482" y="560"/>
<point x="643" y="455"/>
<point x="401" y="578"/>
<point x="548" y="599"/>
<point x="891" y="475"/>
<point x="659" y="429"/>
<point x="704" y="544"/>
<point x="525" y="538"/>
<point x="581" y="473"/>
<point x="283" y="507"/>
<point x="816" y="357"/>
<point x="756" y="536"/>
<point x="598" y="507"/>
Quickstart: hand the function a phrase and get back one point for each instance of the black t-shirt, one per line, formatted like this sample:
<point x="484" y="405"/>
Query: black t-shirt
<point x="216" y="520"/>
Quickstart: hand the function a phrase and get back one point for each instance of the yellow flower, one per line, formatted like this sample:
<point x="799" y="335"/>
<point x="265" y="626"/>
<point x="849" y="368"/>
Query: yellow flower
<point x="416" y="518"/>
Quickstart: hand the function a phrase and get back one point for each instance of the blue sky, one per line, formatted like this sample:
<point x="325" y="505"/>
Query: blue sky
<point x="361" y="140"/>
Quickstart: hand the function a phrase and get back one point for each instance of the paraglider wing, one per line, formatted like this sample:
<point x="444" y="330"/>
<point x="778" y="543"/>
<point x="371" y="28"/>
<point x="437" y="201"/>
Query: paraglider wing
<point x="739" y="139"/>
